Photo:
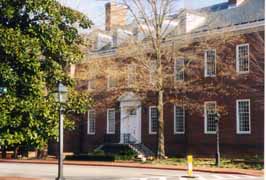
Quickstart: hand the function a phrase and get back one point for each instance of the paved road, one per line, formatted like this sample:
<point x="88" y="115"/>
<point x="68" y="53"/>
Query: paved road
<point x="49" y="172"/>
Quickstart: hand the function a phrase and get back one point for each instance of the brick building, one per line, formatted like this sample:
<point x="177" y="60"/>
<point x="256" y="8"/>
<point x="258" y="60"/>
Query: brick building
<point x="230" y="75"/>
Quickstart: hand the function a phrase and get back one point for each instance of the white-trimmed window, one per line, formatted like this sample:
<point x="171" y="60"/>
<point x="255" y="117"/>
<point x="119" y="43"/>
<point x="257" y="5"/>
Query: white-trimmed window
<point x="91" y="84"/>
<point x="179" y="120"/>
<point x="179" y="69"/>
<point x="210" y="63"/>
<point x="209" y="117"/>
<point x="91" y="121"/>
<point x="131" y="74"/>
<point x="243" y="116"/>
<point x="242" y="58"/>
<point x="153" y="119"/>
<point x="153" y="69"/>
<point x="111" y="82"/>
<point x="110" y="121"/>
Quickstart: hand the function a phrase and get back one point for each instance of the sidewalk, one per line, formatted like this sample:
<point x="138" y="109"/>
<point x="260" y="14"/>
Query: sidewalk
<point x="16" y="178"/>
<point x="140" y="165"/>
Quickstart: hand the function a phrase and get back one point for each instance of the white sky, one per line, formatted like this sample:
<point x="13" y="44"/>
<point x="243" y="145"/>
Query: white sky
<point x="95" y="9"/>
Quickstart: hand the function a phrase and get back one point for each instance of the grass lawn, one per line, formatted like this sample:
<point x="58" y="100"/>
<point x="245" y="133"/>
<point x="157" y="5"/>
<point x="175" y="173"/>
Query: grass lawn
<point x="243" y="163"/>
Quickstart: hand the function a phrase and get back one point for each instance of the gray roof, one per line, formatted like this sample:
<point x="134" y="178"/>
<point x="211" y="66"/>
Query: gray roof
<point x="248" y="11"/>
<point x="216" y="7"/>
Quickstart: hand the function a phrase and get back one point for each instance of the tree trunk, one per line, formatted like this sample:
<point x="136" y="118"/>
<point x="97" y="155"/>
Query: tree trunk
<point x="3" y="152"/>
<point x="15" y="152"/>
<point x="161" y="148"/>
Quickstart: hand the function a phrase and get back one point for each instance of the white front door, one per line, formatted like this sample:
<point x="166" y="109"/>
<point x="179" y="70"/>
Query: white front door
<point x="133" y="122"/>
<point x="130" y="124"/>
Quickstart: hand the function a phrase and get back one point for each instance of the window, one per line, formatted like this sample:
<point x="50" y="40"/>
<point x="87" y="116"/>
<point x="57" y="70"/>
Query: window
<point x="153" y="119"/>
<point x="153" y="69"/>
<point x="110" y="121"/>
<point x="91" y="122"/>
<point x="209" y="116"/>
<point x="111" y="82"/>
<point x="243" y="116"/>
<point x="131" y="74"/>
<point x="242" y="58"/>
<point x="91" y="84"/>
<point x="179" y="70"/>
<point x="210" y="63"/>
<point x="179" y="120"/>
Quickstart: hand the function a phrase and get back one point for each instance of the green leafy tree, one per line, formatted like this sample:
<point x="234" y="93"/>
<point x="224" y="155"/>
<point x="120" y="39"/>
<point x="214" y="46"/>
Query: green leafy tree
<point x="39" y="40"/>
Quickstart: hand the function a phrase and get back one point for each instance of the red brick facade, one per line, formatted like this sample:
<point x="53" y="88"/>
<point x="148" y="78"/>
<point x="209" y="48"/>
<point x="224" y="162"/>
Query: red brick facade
<point x="194" y="140"/>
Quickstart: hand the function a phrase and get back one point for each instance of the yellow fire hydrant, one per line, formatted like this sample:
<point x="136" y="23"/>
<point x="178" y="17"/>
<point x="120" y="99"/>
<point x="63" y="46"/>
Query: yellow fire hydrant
<point x="190" y="165"/>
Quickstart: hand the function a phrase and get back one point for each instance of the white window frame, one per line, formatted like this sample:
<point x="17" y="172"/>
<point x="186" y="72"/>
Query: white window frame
<point x="107" y="127"/>
<point x="206" y="64"/>
<point x="134" y="74"/>
<point x="205" y="117"/>
<point x="150" y="123"/>
<point x="151" y="73"/>
<point x="108" y="82"/>
<point x="237" y="117"/>
<point x="237" y="58"/>
<point x="88" y="122"/>
<point x="175" y="130"/>
<point x="183" y="71"/>
<point x="90" y="81"/>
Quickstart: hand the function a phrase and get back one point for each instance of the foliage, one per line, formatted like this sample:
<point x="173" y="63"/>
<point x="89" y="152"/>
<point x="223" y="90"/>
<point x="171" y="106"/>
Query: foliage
<point x="91" y="157"/>
<point x="38" y="41"/>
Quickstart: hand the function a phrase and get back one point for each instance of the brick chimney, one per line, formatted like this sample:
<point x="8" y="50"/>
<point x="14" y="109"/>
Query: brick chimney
<point x="115" y="16"/>
<point x="235" y="2"/>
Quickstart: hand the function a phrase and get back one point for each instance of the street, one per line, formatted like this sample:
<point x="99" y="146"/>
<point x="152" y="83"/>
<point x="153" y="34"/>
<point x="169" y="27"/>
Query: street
<point x="49" y="172"/>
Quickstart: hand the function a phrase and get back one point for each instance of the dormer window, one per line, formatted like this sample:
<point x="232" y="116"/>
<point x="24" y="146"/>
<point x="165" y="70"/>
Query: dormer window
<point x="104" y="41"/>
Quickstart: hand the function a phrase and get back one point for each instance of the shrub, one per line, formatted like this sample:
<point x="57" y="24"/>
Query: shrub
<point x="88" y="157"/>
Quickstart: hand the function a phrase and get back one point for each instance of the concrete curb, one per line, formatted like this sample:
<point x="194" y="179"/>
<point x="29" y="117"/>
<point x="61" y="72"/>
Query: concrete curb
<point x="143" y="166"/>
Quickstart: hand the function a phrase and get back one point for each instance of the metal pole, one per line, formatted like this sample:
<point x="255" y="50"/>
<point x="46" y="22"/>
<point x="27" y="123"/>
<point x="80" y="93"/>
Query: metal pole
<point x="217" y="158"/>
<point x="61" y="136"/>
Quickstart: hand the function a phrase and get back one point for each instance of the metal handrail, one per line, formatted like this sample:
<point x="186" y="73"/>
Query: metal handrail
<point x="129" y="139"/>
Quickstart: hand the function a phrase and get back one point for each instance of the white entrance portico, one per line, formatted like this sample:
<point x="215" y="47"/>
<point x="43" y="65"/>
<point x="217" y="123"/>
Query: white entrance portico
<point x="130" y="118"/>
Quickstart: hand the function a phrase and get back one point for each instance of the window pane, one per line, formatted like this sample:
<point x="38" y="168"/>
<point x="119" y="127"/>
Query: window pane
<point x="210" y="66"/>
<point x="210" y="116"/>
<point x="179" y="70"/>
<point x="179" y="119"/>
<point x="111" y="82"/>
<point x="91" y="121"/>
<point x="131" y="75"/>
<point x="153" y="67"/>
<point x="243" y="58"/>
<point x="111" y="121"/>
<point x="243" y="116"/>
<point x="154" y="119"/>
<point x="91" y="84"/>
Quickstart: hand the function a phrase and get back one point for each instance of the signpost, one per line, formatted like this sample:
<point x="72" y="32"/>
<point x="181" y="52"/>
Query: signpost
<point x="61" y="94"/>
<point x="217" y="156"/>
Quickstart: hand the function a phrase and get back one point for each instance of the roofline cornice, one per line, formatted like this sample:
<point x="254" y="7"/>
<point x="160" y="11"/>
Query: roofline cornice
<point x="236" y="29"/>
